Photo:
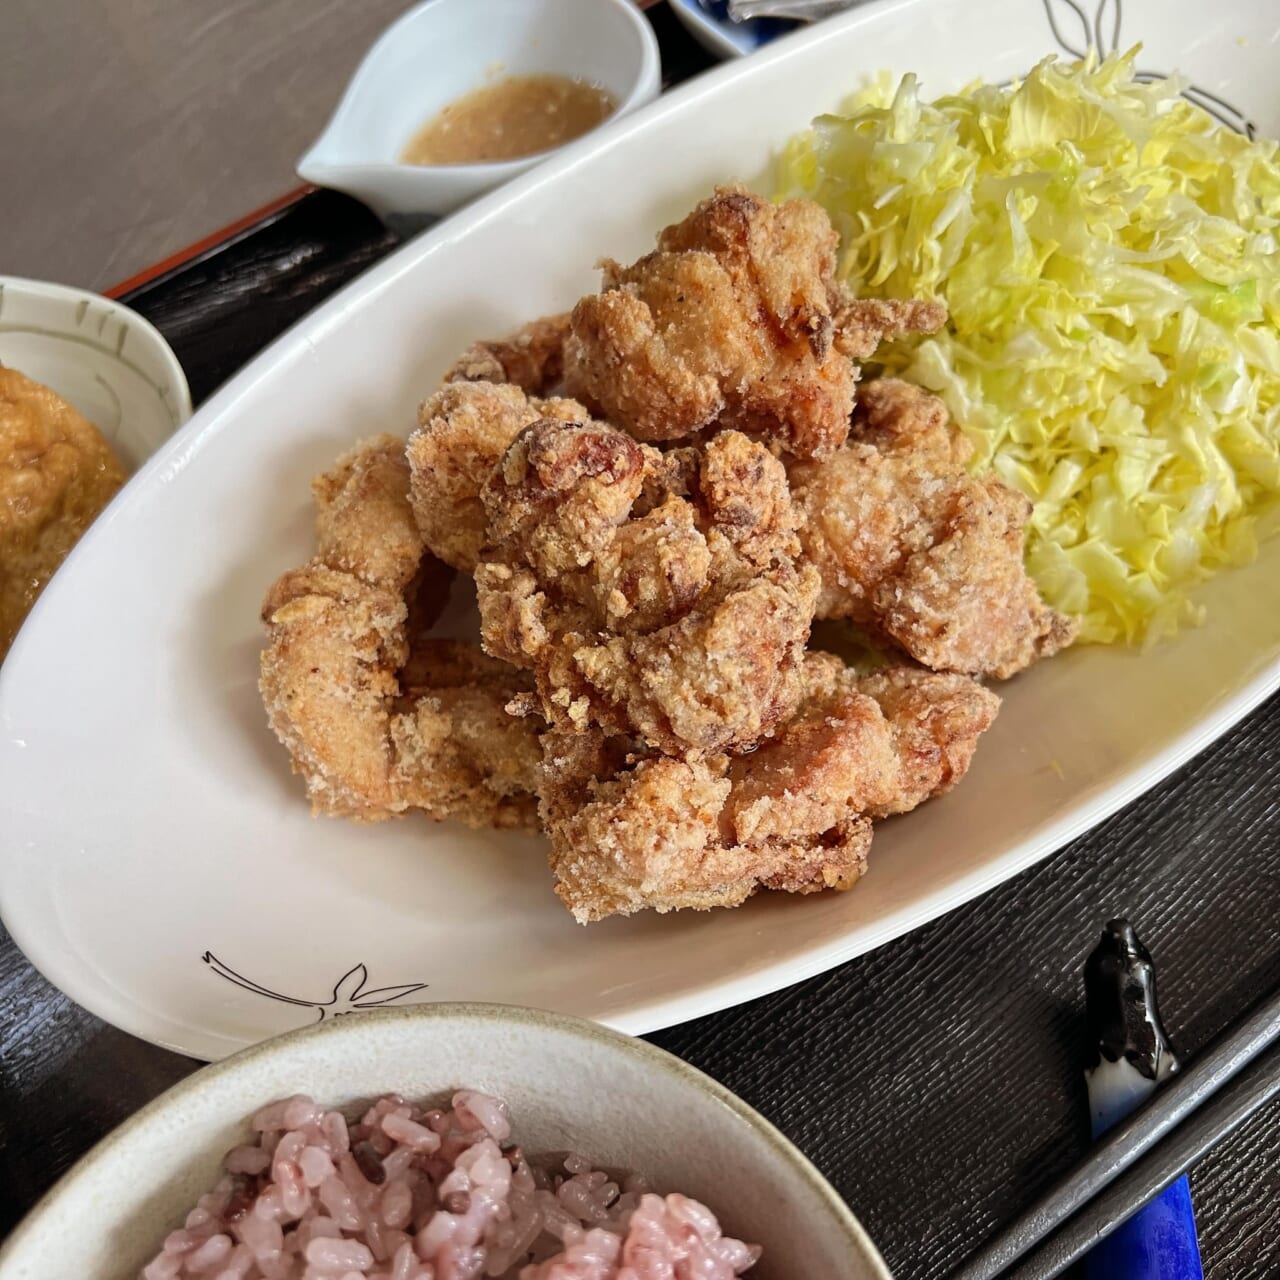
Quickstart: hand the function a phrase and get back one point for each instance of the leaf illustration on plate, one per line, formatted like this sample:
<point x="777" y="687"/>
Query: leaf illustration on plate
<point x="1106" y="27"/>
<point x="226" y="971"/>
<point x="348" y="987"/>
<point x="1069" y="25"/>
<point x="1077" y="33"/>
<point x="385" y="995"/>
<point x="348" y="994"/>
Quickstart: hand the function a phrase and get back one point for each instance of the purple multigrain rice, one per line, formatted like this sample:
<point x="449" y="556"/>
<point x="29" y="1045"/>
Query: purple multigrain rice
<point x="412" y="1194"/>
<point x="369" y="1162"/>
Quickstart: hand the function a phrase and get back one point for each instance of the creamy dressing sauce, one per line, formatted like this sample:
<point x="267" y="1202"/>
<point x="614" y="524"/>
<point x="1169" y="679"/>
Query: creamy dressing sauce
<point x="513" y="117"/>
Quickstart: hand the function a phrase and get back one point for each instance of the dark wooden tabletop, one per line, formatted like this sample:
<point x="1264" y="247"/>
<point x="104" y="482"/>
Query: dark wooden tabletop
<point x="937" y="1082"/>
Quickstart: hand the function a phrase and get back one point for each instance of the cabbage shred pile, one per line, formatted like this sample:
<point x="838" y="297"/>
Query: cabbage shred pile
<point x="1108" y="254"/>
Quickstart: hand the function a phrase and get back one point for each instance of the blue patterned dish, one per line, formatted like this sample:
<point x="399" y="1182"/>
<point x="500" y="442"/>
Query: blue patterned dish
<point x="709" y="24"/>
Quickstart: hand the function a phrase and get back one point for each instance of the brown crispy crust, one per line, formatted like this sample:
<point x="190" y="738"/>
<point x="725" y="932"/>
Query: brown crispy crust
<point x="634" y="834"/>
<point x="327" y="677"/>
<point x="735" y="320"/>
<point x="937" y="719"/>
<point x="862" y="324"/>
<point x="917" y="551"/>
<point x="648" y="595"/>
<point x="652" y="607"/>
<point x="727" y="322"/>
<point x="378" y="718"/>
<point x="631" y="829"/>
<point x="532" y="358"/>
<point x="363" y="524"/>
<point x="463" y="431"/>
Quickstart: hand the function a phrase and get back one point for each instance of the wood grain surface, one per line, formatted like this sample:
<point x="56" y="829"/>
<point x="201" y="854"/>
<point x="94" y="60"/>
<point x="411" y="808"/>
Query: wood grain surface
<point x="937" y="1081"/>
<point x="131" y="128"/>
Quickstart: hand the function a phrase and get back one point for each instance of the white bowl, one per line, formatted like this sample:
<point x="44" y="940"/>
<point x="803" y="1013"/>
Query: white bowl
<point x="442" y="49"/>
<point x="572" y="1085"/>
<point x="112" y="365"/>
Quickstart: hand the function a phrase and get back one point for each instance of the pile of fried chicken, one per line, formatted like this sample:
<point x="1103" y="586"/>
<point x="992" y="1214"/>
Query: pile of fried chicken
<point x="656" y="494"/>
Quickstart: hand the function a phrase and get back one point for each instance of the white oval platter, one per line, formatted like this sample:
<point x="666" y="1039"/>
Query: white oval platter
<point x="159" y="863"/>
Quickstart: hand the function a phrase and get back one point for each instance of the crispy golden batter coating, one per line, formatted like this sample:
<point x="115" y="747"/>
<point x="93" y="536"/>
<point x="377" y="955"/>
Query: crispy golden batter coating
<point x="644" y="691"/>
<point x="458" y="752"/>
<point x="729" y="321"/>
<point x="378" y="718"/>
<point x="630" y="833"/>
<point x="463" y="431"/>
<point x="899" y="417"/>
<point x="862" y="324"/>
<point x="936" y="718"/>
<point x="734" y="320"/>
<point x="833" y="761"/>
<point x="916" y="550"/>
<point x="56" y="474"/>
<point x="328" y="678"/>
<point x="651" y="594"/>
<point x="364" y="526"/>
<point x="631" y="829"/>
<point x="532" y="358"/>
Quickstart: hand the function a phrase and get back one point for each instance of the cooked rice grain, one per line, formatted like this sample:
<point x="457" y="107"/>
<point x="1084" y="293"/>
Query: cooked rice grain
<point x="410" y="1193"/>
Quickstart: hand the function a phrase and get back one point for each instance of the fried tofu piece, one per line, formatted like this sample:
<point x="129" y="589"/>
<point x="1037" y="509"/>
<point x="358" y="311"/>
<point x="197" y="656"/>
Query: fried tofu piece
<point x="57" y="473"/>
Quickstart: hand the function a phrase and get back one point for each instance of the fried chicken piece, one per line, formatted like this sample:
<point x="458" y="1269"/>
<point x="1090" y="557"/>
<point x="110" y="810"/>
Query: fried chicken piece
<point x="458" y="751"/>
<point x="464" y="429"/>
<point x="728" y="321"/>
<point x="917" y="551"/>
<point x="378" y="718"/>
<point x="631" y="829"/>
<point x="862" y="324"/>
<point x="532" y="358"/>
<point x="364" y="526"/>
<point x="735" y="321"/>
<point x="328" y="678"/>
<point x="630" y="833"/>
<point x="651" y="594"/>
<point x="937" y="718"/>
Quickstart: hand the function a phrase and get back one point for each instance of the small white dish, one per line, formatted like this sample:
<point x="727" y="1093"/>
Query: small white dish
<point x="571" y="1086"/>
<point x="442" y="49"/>
<point x="112" y="365"/>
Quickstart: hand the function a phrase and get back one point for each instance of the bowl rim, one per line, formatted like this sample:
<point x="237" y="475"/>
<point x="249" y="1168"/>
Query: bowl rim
<point x="181" y="409"/>
<point x="657" y="1059"/>
<point x="646" y="73"/>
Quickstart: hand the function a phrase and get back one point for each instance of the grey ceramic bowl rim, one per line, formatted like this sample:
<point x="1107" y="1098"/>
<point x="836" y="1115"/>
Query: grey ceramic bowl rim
<point x="654" y="1058"/>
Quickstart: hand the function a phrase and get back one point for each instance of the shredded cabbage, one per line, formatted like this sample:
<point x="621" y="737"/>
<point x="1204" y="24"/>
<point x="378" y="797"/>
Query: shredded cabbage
<point x="1108" y="253"/>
